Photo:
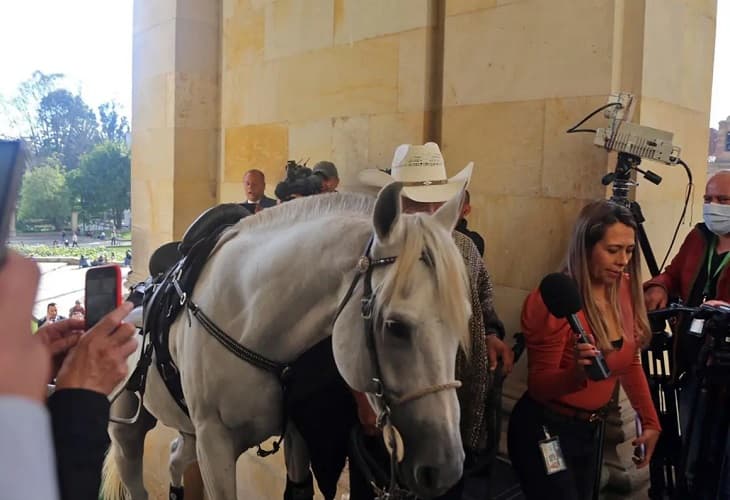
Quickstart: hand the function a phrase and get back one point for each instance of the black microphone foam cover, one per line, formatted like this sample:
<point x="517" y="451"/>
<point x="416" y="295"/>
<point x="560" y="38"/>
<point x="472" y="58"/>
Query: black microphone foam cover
<point x="560" y="294"/>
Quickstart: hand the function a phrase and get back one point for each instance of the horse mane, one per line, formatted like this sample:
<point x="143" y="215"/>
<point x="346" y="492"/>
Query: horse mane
<point x="425" y="240"/>
<point x="311" y="207"/>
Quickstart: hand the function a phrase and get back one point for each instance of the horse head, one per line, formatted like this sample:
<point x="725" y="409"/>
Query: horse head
<point x="400" y="345"/>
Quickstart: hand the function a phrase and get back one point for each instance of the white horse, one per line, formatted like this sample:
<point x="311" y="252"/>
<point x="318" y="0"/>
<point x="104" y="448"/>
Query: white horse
<point x="273" y="283"/>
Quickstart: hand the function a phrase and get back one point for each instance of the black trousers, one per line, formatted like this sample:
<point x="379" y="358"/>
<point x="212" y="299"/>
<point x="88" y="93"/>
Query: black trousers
<point x="578" y="441"/>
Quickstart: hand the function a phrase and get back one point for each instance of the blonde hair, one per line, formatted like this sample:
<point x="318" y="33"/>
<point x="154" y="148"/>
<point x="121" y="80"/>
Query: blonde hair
<point x="589" y="229"/>
<point x="424" y="240"/>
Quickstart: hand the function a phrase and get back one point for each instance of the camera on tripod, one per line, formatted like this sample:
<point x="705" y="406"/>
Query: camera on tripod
<point x="715" y="322"/>
<point x="710" y="322"/>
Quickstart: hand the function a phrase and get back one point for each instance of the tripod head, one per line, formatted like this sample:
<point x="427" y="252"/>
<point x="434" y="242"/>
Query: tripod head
<point x="621" y="177"/>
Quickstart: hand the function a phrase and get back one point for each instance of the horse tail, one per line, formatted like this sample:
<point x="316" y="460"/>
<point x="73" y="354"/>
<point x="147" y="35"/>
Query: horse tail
<point x="111" y="482"/>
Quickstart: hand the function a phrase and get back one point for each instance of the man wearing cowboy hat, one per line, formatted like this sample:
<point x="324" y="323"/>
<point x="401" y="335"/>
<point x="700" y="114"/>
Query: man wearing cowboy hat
<point x="426" y="187"/>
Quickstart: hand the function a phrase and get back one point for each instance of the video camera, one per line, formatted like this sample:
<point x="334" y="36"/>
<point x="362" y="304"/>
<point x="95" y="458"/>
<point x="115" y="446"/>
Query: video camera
<point x="711" y="322"/>
<point x="300" y="181"/>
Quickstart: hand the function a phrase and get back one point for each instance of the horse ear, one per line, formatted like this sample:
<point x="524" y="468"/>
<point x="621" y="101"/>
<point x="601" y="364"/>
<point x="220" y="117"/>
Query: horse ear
<point x="387" y="210"/>
<point x="448" y="214"/>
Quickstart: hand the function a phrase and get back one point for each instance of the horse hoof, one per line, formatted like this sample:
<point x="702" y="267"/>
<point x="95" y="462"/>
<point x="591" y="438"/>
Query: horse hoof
<point x="176" y="492"/>
<point x="299" y="491"/>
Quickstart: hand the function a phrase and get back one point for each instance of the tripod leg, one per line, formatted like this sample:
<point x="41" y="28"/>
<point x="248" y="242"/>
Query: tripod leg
<point x="651" y="262"/>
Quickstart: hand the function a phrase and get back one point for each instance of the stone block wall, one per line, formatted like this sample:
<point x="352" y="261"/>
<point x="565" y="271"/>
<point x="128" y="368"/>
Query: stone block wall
<point x="227" y="85"/>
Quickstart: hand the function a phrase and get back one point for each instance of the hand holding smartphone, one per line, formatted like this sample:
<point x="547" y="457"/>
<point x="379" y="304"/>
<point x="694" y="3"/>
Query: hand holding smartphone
<point x="103" y="292"/>
<point x="12" y="165"/>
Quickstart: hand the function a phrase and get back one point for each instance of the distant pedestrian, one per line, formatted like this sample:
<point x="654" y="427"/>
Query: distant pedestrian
<point x="114" y="237"/>
<point x="128" y="259"/>
<point x="74" y="240"/>
<point x="51" y="315"/>
<point x="77" y="309"/>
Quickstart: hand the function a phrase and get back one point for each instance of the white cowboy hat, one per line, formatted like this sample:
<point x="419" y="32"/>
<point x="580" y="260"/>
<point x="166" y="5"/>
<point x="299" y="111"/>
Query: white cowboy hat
<point x="422" y="171"/>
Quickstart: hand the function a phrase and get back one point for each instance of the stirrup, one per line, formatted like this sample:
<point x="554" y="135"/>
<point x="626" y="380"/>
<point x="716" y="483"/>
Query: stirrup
<point x="133" y="419"/>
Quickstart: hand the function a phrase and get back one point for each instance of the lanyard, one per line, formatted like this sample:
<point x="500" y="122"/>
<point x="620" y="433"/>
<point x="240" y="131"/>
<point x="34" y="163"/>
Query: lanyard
<point x="711" y="277"/>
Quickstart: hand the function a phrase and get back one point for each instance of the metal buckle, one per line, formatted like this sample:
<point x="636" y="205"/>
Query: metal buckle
<point x="363" y="264"/>
<point x="379" y="388"/>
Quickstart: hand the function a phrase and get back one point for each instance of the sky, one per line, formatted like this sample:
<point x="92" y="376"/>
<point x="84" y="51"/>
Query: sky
<point x="90" y="41"/>
<point x="720" y="108"/>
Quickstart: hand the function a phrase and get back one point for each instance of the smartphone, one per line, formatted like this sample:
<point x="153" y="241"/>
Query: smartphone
<point x="12" y="165"/>
<point x="639" y="451"/>
<point x="103" y="292"/>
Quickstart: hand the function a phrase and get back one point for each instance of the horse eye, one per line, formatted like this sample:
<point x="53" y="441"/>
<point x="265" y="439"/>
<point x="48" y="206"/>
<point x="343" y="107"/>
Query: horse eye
<point x="397" y="329"/>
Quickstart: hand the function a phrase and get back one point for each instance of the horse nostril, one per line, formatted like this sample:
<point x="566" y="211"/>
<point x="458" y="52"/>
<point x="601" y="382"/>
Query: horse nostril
<point x="427" y="477"/>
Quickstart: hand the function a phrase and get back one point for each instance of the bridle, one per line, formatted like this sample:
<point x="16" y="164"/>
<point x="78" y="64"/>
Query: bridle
<point x="386" y="399"/>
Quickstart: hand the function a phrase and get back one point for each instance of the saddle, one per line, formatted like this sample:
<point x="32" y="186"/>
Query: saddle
<point x="175" y="268"/>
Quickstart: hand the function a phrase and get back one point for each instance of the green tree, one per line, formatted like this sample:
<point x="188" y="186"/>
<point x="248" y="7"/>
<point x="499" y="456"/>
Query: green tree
<point x="68" y="127"/>
<point x="114" y="127"/>
<point x="45" y="194"/>
<point x="102" y="182"/>
<point x="21" y="111"/>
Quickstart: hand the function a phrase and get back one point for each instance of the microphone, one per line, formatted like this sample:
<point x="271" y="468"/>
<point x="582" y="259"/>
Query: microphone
<point x="562" y="299"/>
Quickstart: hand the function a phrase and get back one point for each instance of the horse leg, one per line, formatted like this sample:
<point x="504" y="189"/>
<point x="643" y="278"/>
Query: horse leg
<point x="217" y="454"/>
<point x="129" y="440"/>
<point x="299" y="482"/>
<point x="182" y="454"/>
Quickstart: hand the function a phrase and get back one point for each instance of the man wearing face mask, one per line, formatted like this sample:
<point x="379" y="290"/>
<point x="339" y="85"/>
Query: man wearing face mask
<point x="701" y="270"/>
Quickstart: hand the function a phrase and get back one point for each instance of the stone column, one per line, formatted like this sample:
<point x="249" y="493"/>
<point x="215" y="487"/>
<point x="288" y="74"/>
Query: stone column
<point x="175" y="120"/>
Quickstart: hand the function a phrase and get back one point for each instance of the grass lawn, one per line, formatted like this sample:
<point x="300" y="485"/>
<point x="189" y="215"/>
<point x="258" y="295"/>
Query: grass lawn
<point x="89" y="252"/>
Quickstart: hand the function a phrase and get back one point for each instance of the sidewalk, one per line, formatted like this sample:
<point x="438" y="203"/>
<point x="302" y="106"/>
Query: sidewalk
<point x="62" y="284"/>
<point x="22" y="239"/>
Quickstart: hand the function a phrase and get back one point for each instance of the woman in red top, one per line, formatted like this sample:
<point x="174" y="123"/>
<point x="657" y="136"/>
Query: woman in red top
<point x="561" y="401"/>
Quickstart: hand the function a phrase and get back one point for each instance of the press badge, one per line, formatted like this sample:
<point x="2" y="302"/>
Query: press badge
<point x="552" y="455"/>
<point x="696" y="327"/>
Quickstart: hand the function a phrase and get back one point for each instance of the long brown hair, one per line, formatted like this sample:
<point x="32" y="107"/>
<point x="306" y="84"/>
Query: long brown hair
<point x="589" y="229"/>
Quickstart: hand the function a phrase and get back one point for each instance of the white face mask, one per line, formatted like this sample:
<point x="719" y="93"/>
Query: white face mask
<point x="717" y="218"/>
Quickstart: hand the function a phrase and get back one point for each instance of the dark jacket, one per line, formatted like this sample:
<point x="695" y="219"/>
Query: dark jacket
<point x="264" y="203"/>
<point x="690" y="264"/>
<point x="267" y="202"/>
<point x="44" y="319"/>
<point x="685" y="278"/>
<point x="79" y="419"/>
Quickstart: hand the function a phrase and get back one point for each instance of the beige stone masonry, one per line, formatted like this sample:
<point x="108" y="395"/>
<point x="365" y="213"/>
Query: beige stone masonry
<point x="516" y="52"/>
<point x="256" y="146"/>
<point x="297" y="26"/>
<point x="227" y="85"/>
<point x="356" y="20"/>
<point x="341" y="81"/>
